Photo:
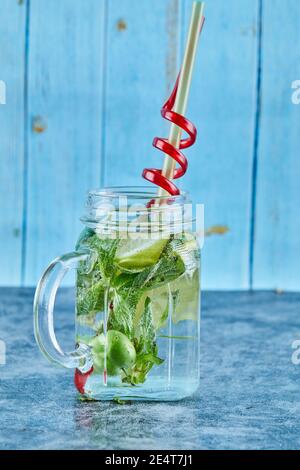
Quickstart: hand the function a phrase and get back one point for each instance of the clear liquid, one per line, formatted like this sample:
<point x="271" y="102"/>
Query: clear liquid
<point x="170" y="311"/>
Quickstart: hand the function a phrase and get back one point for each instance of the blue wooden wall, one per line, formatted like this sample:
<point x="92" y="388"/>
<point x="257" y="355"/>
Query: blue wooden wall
<point x="85" y="82"/>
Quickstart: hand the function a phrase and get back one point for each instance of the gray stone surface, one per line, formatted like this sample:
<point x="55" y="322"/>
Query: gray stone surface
<point x="249" y="396"/>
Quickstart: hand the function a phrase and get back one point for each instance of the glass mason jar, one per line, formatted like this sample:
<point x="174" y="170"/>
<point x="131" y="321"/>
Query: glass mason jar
<point x="138" y="298"/>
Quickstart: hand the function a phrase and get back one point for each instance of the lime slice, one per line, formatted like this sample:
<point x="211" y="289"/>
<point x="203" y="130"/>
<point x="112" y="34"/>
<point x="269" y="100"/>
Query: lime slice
<point x="187" y="248"/>
<point x="184" y="293"/>
<point x="181" y="297"/>
<point x="136" y="255"/>
<point x="187" y="287"/>
<point x="187" y="304"/>
<point x="159" y="307"/>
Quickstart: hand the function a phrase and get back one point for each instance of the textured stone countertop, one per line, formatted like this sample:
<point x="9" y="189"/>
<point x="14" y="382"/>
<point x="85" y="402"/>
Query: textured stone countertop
<point x="249" y="396"/>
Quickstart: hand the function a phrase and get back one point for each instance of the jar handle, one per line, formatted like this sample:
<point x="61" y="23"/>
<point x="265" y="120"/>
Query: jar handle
<point x="44" y="301"/>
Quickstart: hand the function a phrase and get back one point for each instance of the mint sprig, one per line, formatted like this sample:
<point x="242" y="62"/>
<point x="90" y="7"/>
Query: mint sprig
<point x="103" y="281"/>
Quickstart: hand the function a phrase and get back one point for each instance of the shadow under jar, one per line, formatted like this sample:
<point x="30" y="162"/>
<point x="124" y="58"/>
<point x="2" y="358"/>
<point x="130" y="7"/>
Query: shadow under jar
<point x="137" y="302"/>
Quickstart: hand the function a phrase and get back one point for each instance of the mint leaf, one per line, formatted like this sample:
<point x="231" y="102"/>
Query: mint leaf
<point x="146" y="349"/>
<point x="105" y="249"/>
<point x="125" y="291"/>
<point x="128" y="288"/>
<point x="147" y="332"/>
<point x="93" y="276"/>
<point x="169" y="267"/>
<point x="122" y="311"/>
<point x="90" y="300"/>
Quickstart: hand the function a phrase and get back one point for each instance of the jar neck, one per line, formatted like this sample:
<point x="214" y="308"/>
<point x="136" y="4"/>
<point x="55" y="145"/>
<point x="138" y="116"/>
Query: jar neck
<point x="136" y="210"/>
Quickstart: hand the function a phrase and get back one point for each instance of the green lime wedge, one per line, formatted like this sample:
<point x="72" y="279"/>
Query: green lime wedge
<point x="159" y="307"/>
<point x="187" y="303"/>
<point x="181" y="297"/>
<point x="136" y="255"/>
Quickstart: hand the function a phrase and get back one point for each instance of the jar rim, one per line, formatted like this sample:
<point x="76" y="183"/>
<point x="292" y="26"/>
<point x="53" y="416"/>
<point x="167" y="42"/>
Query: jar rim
<point x="113" y="207"/>
<point x="136" y="192"/>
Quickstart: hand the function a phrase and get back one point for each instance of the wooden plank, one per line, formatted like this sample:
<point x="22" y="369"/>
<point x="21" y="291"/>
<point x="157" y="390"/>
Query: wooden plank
<point x="222" y="105"/>
<point x="142" y="65"/>
<point x="277" y="223"/>
<point x="65" y="115"/>
<point x="12" y="67"/>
